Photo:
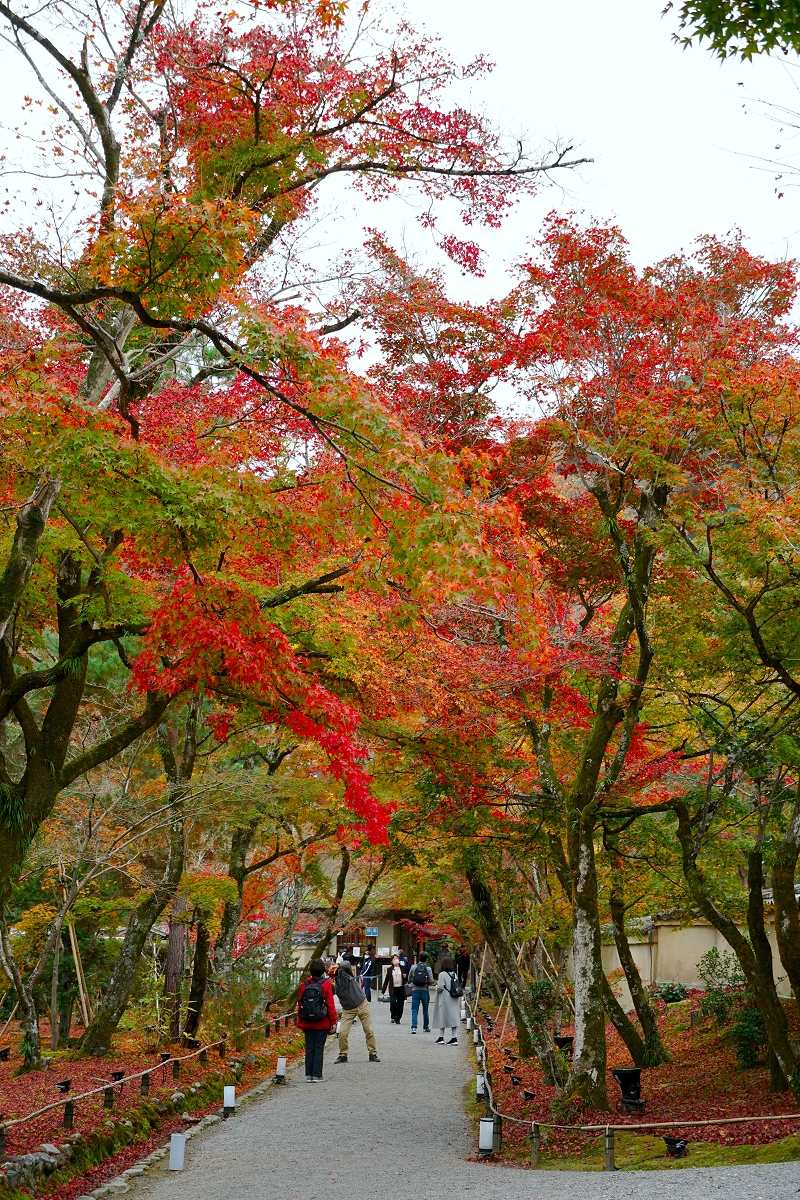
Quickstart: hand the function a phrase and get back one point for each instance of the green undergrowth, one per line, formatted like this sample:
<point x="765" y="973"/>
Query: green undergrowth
<point x="638" y="1152"/>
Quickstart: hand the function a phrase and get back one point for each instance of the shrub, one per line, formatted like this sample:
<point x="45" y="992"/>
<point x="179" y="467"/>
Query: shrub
<point x="717" y="1004"/>
<point x="668" y="991"/>
<point x="725" y="984"/>
<point x="543" y="995"/>
<point x="749" y="1037"/>
<point x="720" y="971"/>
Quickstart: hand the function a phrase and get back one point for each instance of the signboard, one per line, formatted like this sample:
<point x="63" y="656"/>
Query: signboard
<point x="371" y="931"/>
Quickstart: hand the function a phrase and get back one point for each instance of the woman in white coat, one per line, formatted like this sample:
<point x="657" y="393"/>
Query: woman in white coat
<point x="447" y="1010"/>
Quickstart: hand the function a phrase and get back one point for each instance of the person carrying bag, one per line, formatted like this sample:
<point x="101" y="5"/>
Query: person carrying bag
<point x="316" y="1016"/>
<point x="420" y="977"/>
<point x="354" y="1005"/>
<point x="447" y="1010"/>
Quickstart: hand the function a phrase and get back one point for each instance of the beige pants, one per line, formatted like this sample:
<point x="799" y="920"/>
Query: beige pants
<point x="364" y="1014"/>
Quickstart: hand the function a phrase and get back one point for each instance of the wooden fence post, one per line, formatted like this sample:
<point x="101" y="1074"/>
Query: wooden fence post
<point x="609" y="1161"/>
<point x="535" y="1144"/>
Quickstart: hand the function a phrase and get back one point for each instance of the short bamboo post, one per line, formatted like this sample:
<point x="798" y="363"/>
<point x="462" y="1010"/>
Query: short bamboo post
<point x="535" y="1144"/>
<point x="108" y="1097"/>
<point x="203" y="1057"/>
<point x="609" y="1163"/>
<point x="222" y="1049"/>
<point x="69" y="1113"/>
<point x="267" y="1030"/>
<point x="277" y="1024"/>
<point x="497" y="1140"/>
<point x="144" y="1086"/>
<point x="176" y="1068"/>
<point x="2" y="1140"/>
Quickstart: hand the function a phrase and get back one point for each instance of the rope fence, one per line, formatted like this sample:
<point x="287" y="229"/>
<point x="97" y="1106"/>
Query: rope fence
<point x="107" y="1087"/>
<point x="490" y="1140"/>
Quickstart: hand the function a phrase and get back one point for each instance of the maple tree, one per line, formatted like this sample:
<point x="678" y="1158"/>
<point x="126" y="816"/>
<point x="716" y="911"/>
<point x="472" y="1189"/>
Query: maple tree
<point x="158" y="389"/>
<point x="740" y="27"/>
<point x="351" y="624"/>
<point x="630" y="370"/>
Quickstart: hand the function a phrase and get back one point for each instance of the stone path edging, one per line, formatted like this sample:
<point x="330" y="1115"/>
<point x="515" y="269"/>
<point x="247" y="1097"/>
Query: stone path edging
<point x="119" y="1184"/>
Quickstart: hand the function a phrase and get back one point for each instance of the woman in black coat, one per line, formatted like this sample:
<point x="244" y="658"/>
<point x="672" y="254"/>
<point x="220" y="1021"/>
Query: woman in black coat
<point x="396" y="983"/>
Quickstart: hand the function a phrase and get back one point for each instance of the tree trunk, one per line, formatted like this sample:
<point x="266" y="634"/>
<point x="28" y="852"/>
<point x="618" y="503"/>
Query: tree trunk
<point x="197" y="990"/>
<point x="65" y="1018"/>
<point x="284" y="949"/>
<point x="528" y="1019"/>
<point x="762" y="949"/>
<point x="589" y="1062"/>
<point x="31" y="1044"/>
<point x="787" y="916"/>
<point x="241" y="840"/>
<point x="763" y="988"/>
<point x="173" y="972"/>
<point x="97" y="1038"/>
<point x="54" y="1024"/>
<point x="624" y="1026"/>
<point x="560" y="962"/>
<point x="654" y="1050"/>
<point x="31" y="521"/>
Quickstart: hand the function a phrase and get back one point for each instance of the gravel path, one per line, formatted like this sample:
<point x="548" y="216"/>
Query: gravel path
<point x="370" y="1127"/>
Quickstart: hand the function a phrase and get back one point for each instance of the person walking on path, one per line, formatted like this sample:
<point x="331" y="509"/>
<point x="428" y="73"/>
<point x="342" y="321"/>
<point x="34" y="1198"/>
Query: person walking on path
<point x="462" y="962"/>
<point x="396" y="983"/>
<point x="420" y="978"/>
<point x="316" y="1016"/>
<point x="367" y="967"/>
<point x="354" y="1005"/>
<point x="447" y="1009"/>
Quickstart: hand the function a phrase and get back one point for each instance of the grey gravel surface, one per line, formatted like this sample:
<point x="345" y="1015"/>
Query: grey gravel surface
<point x="371" y="1127"/>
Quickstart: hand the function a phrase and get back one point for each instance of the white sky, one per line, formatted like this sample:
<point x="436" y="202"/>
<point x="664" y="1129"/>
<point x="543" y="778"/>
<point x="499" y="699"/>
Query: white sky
<point x="674" y="148"/>
<point x="673" y="145"/>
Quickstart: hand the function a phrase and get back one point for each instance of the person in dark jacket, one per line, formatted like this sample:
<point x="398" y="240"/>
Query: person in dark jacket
<point x="462" y="965"/>
<point x="396" y="983"/>
<point x="316" y="1031"/>
<point x="420" y="977"/>
<point x="367" y="969"/>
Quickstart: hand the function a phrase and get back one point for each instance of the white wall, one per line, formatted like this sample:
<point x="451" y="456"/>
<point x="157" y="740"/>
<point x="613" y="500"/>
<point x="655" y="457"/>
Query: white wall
<point x="673" y="955"/>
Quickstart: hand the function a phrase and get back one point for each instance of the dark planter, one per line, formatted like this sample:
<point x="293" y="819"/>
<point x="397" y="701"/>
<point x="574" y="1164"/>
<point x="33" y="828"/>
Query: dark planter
<point x="566" y="1044"/>
<point x="529" y="1095"/>
<point x="676" y="1147"/>
<point x="631" y="1106"/>
<point x="64" y="1085"/>
<point x="630" y="1082"/>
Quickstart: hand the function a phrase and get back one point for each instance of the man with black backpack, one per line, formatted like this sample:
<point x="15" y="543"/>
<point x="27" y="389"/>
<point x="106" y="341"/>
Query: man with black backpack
<point x="420" y="977"/>
<point x="316" y="1016"/>
<point x="354" y="1004"/>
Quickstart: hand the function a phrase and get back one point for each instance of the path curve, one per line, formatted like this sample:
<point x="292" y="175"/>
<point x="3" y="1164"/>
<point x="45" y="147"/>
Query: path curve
<point x="371" y="1127"/>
